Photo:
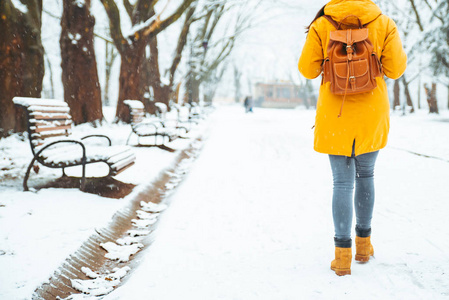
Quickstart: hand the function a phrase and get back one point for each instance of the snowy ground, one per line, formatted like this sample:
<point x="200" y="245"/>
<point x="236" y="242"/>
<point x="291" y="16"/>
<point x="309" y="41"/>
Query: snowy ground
<point x="39" y="230"/>
<point x="252" y="220"/>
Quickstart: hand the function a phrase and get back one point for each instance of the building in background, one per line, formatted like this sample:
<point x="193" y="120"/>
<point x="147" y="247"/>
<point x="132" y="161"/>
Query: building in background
<point x="284" y="94"/>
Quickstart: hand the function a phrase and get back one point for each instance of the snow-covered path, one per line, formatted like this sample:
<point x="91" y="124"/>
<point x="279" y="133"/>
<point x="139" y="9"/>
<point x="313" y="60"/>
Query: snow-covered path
<point x="253" y="221"/>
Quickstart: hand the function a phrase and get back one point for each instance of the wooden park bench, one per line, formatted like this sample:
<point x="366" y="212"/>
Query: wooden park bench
<point x="185" y="116"/>
<point x="52" y="145"/>
<point x="152" y="127"/>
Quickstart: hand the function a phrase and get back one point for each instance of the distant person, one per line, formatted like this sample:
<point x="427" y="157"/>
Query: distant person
<point x="248" y="103"/>
<point x="352" y="128"/>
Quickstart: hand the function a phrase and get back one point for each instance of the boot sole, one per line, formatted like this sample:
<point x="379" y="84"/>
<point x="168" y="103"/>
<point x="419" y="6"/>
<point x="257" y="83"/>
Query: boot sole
<point x="362" y="258"/>
<point x="342" y="272"/>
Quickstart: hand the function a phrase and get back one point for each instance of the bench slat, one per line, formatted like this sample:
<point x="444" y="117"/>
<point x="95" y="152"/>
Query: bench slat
<point x="123" y="165"/>
<point x="114" y="158"/>
<point x="42" y="129"/>
<point x="40" y="137"/>
<point x="116" y="172"/>
<point x="53" y="123"/>
<point x="51" y="117"/>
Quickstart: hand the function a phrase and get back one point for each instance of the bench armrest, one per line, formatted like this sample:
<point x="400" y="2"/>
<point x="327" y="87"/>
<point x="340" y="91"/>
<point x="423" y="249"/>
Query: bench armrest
<point x="155" y="124"/>
<point x="63" y="141"/>
<point x="98" y="135"/>
<point x="179" y="128"/>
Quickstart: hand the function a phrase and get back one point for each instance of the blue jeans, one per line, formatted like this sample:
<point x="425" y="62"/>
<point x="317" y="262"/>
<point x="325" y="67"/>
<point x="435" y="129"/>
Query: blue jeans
<point x="346" y="171"/>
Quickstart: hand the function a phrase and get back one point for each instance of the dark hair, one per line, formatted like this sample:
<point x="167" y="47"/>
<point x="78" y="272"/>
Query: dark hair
<point x="319" y="14"/>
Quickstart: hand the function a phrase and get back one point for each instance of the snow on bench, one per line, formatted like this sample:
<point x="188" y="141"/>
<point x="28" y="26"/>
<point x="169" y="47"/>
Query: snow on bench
<point x="49" y="132"/>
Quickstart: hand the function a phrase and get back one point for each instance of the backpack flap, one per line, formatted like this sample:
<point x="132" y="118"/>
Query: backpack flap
<point x="349" y="36"/>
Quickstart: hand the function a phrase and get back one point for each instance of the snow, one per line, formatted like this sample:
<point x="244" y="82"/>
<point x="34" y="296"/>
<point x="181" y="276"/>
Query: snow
<point x="134" y="103"/>
<point x="161" y="106"/>
<point x="39" y="230"/>
<point x="100" y="284"/>
<point x="152" y="207"/>
<point x="79" y="3"/>
<point x="20" y="6"/>
<point x="121" y="253"/>
<point x="252" y="220"/>
<point x="29" y="102"/>
<point x="136" y="28"/>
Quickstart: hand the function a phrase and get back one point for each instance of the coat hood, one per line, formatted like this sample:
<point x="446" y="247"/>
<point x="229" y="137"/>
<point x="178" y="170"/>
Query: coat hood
<point x="365" y="10"/>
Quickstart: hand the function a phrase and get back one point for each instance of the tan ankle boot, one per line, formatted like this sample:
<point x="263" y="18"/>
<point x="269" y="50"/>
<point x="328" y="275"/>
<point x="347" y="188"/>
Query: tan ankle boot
<point x="342" y="262"/>
<point x="364" y="249"/>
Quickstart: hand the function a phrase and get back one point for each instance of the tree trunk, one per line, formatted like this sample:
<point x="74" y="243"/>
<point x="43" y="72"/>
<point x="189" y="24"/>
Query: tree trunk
<point x="396" y="95"/>
<point x="237" y="84"/>
<point x="407" y="94"/>
<point x="111" y="55"/>
<point x="79" y="67"/>
<point x="52" y="85"/>
<point x="130" y="79"/>
<point x="419" y="92"/>
<point x="195" y="90"/>
<point x="431" y="97"/>
<point x="434" y="101"/>
<point x="21" y="60"/>
<point x="162" y="92"/>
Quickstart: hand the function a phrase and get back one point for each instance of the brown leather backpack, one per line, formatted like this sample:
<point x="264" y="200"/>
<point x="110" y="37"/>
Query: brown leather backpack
<point x="351" y="64"/>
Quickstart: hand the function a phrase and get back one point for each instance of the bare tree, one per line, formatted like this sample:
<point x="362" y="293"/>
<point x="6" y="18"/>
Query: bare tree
<point x="21" y="59"/>
<point x="165" y="90"/>
<point x="211" y="83"/>
<point x="79" y="66"/>
<point x="111" y="55"/>
<point x="432" y="19"/>
<point x="396" y="94"/>
<point x="132" y="48"/>
<point x="237" y="83"/>
<point x="207" y="54"/>
<point x="408" y="97"/>
<point x="431" y="97"/>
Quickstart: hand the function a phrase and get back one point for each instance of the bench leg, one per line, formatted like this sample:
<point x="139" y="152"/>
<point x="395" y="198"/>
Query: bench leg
<point x="127" y="141"/>
<point x="27" y="175"/>
<point x="83" y="178"/>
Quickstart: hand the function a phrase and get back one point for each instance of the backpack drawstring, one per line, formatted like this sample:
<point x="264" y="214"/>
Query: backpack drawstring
<point x="346" y="90"/>
<point x="347" y="76"/>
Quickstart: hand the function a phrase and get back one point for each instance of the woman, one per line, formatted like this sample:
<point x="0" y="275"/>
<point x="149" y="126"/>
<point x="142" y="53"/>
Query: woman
<point x="353" y="139"/>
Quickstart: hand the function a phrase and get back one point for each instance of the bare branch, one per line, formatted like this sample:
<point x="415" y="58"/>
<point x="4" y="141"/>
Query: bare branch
<point x="224" y="53"/>
<point x="182" y="41"/>
<point x="51" y="14"/>
<point x="159" y="26"/>
<point x="218" y="15"/>
<point x="143" y="10"/>
<point x="129" y="8"/>
<point x="115" y="24"/>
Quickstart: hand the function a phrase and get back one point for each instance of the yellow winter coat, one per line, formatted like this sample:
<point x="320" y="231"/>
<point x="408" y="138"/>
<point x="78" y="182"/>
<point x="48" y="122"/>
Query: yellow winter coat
<point x="365" y="118"/>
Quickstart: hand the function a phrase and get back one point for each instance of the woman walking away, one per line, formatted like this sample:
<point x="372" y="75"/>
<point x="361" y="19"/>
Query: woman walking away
<point x="353" y="45"/>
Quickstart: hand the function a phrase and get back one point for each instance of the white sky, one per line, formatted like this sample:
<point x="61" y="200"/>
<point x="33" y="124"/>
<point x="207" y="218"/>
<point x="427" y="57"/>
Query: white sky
<point x="271" y="49"/>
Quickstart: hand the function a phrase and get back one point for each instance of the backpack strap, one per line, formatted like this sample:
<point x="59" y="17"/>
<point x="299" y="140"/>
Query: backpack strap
<point x="332" y="21"/>
<point x="337" y="25"/>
